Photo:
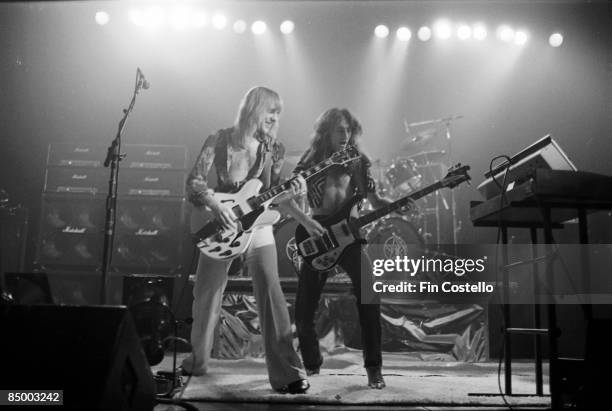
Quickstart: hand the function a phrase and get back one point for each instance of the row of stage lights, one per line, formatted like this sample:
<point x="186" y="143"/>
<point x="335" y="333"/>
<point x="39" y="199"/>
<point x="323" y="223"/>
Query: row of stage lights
<point x="184" y="18"/>
<point x="444" y="30"/>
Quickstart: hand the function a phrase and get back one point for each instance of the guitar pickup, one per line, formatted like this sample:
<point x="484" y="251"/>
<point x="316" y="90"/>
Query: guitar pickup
<point x="308" y="247"/>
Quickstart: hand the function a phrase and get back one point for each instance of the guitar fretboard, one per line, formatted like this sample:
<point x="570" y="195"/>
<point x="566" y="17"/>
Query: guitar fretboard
<point x="389" y="208"/>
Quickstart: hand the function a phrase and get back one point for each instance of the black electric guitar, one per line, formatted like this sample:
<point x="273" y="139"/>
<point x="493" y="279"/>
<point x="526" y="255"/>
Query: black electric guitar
<point x="342" y="230"/>
<point x="252" y="212"/>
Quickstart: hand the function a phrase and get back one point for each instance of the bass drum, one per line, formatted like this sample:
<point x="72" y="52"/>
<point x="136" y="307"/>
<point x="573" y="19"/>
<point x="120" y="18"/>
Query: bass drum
<point x="394" y="237"/>
<point x="289" y="261"/>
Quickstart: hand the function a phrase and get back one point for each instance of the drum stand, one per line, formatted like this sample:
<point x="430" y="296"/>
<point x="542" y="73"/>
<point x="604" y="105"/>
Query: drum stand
<point x="454" y="226"/>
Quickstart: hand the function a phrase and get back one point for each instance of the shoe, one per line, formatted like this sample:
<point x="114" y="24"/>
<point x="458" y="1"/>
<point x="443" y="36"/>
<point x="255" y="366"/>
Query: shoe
<point x="375" y="378"/>
<point x="313" y="371"/>
<point x="296" y="387"/>
<point x="183" y="372"/>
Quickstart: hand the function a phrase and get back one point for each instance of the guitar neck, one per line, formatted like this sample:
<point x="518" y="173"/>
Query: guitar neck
<point x="306" y="174"/>
<point x="389" y="208"/>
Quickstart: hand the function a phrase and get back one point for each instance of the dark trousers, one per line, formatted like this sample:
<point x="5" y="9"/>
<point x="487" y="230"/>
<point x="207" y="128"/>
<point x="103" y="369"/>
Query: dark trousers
<point x="310" y="285"/>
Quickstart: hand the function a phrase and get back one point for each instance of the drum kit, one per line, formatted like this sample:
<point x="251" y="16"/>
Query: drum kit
<point x="412" y="228"/>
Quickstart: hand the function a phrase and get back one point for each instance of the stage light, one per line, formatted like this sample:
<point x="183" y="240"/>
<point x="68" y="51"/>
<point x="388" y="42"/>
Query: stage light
<point x="424" y="33"/>
<point x="152" y="17"/>
<point x="258" y="27"/>
<point x="443" y="29"/>
<point x="180" y="18"/>
<point x="403" y="34"/>
<point x="520" y="37"/>
<point x="102" y="18"/>
<point x="287" y="27"/>
<point x="240" y="26"/>
<point x="464" y="32"/>
<point x="505" y="33"/>
<point x="381" y="31"/>
<point x="479" y="31"/>
<point x="555" y="39"/>
<point x="219" y="21"/>
<point x="200" y="19"/>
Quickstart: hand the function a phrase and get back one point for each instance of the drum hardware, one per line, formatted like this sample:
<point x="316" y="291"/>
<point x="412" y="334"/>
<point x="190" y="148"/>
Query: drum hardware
<point x="415" y="140"/>
<point x="404" y="176"/>
<point x="393" y="236"/>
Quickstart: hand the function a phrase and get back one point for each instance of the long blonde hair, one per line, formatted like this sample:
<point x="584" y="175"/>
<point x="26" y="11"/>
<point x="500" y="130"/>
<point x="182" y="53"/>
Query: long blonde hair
<point x="252" y="108"/>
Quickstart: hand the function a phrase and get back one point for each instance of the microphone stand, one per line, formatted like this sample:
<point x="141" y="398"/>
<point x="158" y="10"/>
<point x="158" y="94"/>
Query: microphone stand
<point x="113" y="157"/>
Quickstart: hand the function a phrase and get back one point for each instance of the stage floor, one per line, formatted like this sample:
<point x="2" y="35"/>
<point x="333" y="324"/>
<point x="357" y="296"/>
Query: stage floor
<point x="342" y="385"/>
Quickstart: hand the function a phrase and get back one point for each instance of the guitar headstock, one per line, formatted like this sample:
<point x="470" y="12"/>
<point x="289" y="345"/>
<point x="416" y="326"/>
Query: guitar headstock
<point x="348" y="154"/>
<point x="455" y="176"/>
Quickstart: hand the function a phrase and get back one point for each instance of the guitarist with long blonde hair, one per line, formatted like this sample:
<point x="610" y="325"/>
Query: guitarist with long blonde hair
<point x="335" y="129"/>
<point x="245" y="151"/>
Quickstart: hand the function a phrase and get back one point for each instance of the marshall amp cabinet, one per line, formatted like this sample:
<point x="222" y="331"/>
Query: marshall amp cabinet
<point x="137" y="155"/>
<point x="150" y="225"/>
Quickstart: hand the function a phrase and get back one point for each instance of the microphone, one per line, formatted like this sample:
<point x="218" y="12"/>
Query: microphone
<point x="145" y="83"/>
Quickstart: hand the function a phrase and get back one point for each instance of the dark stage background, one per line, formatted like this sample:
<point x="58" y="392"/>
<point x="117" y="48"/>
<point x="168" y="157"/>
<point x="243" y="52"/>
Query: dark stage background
<point x="63" y="78"/>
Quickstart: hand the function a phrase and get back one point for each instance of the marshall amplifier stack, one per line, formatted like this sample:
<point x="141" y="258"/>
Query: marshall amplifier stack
<point x="150" y="219"/>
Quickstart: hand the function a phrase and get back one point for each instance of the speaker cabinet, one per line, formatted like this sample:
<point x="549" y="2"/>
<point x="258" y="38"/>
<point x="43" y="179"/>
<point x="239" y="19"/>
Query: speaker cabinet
<point x="71" y="231"/>
<point x="149" y="233"/>
<point x="91" y="353"/>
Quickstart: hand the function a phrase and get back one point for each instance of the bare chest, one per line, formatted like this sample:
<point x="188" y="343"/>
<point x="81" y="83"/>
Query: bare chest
<point x="338" y="188"/>
<point x="240" y="161"/>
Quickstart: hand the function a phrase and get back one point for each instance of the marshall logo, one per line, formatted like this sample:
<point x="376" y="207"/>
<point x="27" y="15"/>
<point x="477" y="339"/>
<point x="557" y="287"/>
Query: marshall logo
<point x="150" y="233"/>
<point x="74" y="230"/>
<point x="151" y="179"/>
<point x="81" y="150"/>
<point x="79" y="176"/>
<point x="152" y="153"/>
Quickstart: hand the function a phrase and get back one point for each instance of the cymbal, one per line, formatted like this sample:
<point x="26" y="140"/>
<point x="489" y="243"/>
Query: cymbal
<point x="418" y="139"/>
<point x="430" y="156"/>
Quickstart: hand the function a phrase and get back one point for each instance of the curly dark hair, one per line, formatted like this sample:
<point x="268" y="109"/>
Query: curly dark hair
<point x="324" y="126"/>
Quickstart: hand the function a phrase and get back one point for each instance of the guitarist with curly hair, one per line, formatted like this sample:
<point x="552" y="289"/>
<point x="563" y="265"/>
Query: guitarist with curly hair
<point x="327" y="194"/>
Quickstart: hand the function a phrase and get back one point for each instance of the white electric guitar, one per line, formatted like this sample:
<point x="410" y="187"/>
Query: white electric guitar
<point x="251" y="210"/>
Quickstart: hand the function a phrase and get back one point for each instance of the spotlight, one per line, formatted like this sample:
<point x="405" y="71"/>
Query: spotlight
<point x="152" y="18"/>
<point x="464" y="32"/>
<point x="240" y="26"/>
<point x="424" y="33"/>
<point x="180" y="18"/>
<point x="381" y="31"/>
<point x="479" y="31"/>
<point x="102" y="18"/>
<point x="219" y="21"/>
<point x="200" y="19"/>
<point x="403" y="34"/>
<point x="555" y="39"/>
<point x="520" y="37"/>
<point x="258" y="27"/>
<point x="505" y="33"/>
<point x="443" y="29"/>
<point x="287" y="27"/>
